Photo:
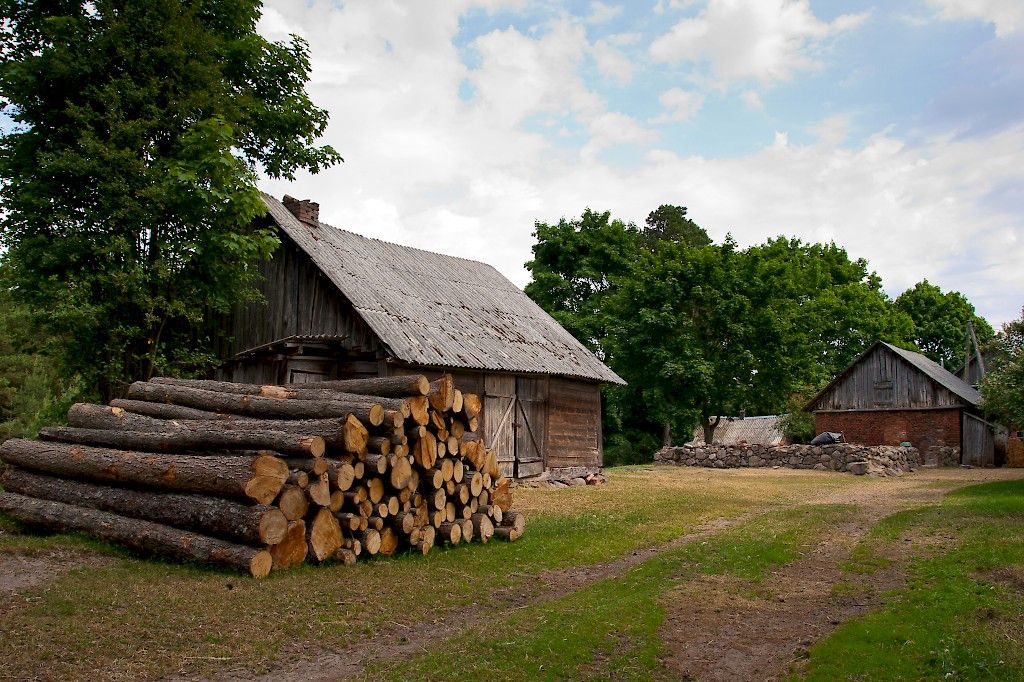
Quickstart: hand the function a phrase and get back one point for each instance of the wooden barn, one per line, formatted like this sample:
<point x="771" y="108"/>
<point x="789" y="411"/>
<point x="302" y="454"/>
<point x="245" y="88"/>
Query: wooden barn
<point x="889" y="395"/>
<point x="339" y="305"/>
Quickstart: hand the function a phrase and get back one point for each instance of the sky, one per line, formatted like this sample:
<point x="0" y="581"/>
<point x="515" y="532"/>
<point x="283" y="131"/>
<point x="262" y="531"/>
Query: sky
<point x="894" y="128"/>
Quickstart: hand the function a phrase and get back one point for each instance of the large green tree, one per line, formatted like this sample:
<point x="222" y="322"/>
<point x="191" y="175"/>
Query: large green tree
<point x="669" y="223"/>
<point x="1003" y="386"/>
<point x="940" y="322"/>
<point x="129" y="178"/>
<point x="576" y="264"/>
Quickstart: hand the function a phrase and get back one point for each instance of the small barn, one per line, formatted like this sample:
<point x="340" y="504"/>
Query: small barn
<point x="340" y="305"/>
<point x="889" y="395"/>
<point x="763" y="430"/>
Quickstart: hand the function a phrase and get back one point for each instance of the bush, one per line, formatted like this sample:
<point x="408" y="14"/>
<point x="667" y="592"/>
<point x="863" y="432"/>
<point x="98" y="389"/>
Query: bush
<point x="631" y="446"/>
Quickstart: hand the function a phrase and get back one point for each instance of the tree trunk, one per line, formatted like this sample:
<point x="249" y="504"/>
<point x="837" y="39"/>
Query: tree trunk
<point x="293" y="503"/>
<point x="482" y="527"/>
<point x="251" y="525"/>
<point x="144" y="536"/>
<point x="258" y="478"/>
<point x="666" y="435"/>
<point x="450" y="532"/>
<point x="386" y="387"/>
<point x="256" y="406"/>
<point x="324" y="535"/>
<point x="709" y="425"/>
<point x="206" y="438"/>
<point x="165" y="411"/>
<point x="471" y="405"/>
<point x="337" y="433"/>
<point x="292" y="550"/>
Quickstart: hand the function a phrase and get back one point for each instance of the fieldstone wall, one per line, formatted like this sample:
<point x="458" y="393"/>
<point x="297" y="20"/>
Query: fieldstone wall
<point x="942" y="456"/>
<point x="883" y="460"/>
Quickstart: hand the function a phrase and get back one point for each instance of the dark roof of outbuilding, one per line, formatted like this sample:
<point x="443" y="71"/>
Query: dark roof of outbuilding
<point x="437" y="310"/>
<point x="922" y="363"/>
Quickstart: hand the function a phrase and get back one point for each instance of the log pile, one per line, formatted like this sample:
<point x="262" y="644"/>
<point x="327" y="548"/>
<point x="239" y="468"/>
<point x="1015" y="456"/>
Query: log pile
<point x="260" y="478"/>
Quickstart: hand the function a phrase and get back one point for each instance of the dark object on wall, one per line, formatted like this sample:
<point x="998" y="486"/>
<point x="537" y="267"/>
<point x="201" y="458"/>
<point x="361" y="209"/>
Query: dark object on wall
<point x="342" y="306"/>
<point x="827" y="438"/>
<point x="889" y="395"/>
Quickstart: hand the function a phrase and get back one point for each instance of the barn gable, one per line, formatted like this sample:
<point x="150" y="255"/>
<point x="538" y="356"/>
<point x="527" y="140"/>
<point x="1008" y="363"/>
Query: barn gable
<point x="888" y="377"/>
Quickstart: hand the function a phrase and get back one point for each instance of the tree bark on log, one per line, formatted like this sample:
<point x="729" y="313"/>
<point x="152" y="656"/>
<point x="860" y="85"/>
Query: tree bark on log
<point x="207" y="438"/>
<point x="450" y="532"/>
<point x="387" y="387"/>
<point x="514" y="519"/>
<point x="255" y="406"/>
<point x="338" y="433"/>
<point x="246" y="524"/>
<point x="144" y="536"/>
<point x="259" y="478"/>
<point x="506" y="533"/>
<point x="165" y="411"/>
<point x="482" y="527"/>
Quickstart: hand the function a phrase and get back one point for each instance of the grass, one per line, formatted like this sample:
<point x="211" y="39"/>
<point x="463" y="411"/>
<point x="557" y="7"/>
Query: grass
<point x="195" y="620"/>
<point x="131" y="617"/>
<point x="960" y="615"/>
<point x="608" y="630"/>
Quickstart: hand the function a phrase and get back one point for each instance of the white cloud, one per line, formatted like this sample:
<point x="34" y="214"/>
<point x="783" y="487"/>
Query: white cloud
<point x="467" y="177"/>
<point x="680" y="105"/>
<point x="832" y="130"/>
<point x="601" y="12"/>
<point x="612" y="62"/>
<point x="767" y="40"/>
<point x="752" y="99"/>
<point x="1006" y="15"/>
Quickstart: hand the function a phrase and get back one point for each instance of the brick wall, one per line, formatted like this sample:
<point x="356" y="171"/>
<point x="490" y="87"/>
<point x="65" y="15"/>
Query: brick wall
<point x="923" y="428"/>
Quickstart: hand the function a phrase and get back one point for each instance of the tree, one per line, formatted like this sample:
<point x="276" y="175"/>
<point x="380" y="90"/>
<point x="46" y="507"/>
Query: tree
<point x="129" y="179"/>
<point x="687" y="339"/>
<point x="940" y="322"/>
<point x="575" y="266"/>
<point x="669" y="223"/>
<point x="1002" y="389"/>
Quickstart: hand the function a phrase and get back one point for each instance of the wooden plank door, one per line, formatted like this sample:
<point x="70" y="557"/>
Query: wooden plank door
<point x="500" y="419"/>
<point x="978" y="442"/>
<point x="531" y="425"/>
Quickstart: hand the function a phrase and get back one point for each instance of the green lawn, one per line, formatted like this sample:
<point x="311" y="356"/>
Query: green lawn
<point x="956" y="614"/>
<point x="961" y="615"/>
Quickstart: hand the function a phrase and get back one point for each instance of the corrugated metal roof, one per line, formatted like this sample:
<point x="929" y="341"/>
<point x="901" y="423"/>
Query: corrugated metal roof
<point x="438" y="310"/>
<point x="939" y="374"/>
<point x="764" y="430"/>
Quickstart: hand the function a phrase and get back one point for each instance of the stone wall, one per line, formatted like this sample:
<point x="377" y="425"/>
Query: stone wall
<point x="858" y="459"/>
<point x="921" y="428"/>
<point x="942" y="456"/>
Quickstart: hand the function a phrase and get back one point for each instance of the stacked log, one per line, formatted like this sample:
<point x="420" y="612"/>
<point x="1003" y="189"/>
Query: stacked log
<point x="257" y="477"/>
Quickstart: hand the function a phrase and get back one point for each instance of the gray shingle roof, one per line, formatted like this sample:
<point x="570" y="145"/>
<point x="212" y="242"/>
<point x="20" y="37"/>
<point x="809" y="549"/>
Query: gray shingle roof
<point x="438" y="310"/>
<point x="939" y="374"/>
<point x="764" y="430"/>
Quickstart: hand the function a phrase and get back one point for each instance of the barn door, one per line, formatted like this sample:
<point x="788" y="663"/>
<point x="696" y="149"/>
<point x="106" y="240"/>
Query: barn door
<point x="978" y="442"/>
<point x="500" y="420"/>
<point x="531" y="415"/>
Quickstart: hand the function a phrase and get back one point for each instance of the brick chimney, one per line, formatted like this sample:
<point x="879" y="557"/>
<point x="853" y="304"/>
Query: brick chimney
<point x="305" y="210"/>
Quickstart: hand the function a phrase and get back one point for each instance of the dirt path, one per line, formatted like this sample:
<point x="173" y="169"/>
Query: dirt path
<point x="801" y="602"/>
<point x="716" y="628"/>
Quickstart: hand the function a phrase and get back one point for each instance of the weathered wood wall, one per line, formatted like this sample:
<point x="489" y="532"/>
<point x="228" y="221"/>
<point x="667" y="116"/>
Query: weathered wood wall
<point x="884" y="380"/>
<point x="574" y="424"/>
<point x="300" y="300"/>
